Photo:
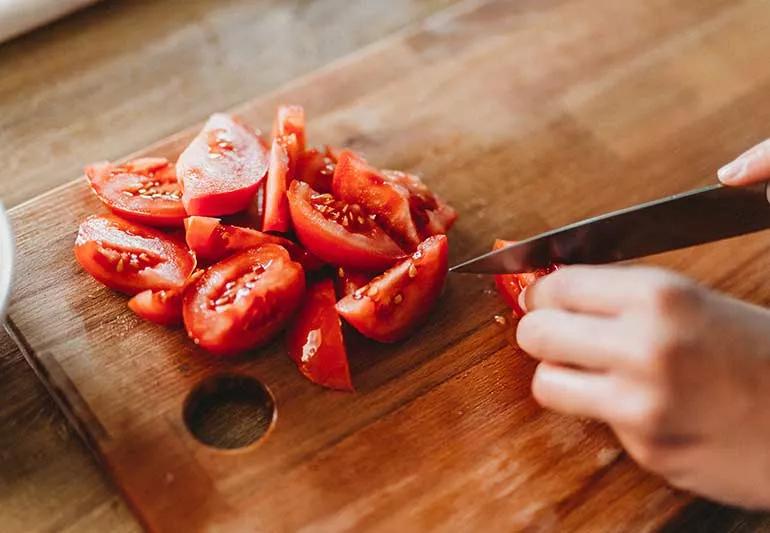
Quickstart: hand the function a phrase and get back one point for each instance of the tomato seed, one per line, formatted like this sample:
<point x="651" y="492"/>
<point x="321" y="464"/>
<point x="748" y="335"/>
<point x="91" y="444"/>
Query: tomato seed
<point x="412" y="271"/>
<point x="398" y="298"/>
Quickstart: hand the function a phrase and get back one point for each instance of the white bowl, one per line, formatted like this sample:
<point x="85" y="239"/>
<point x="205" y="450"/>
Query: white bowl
<point x="7" y="259"/>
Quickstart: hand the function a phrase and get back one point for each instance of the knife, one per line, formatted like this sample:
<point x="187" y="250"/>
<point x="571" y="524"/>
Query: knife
<point x="696" y="217"/>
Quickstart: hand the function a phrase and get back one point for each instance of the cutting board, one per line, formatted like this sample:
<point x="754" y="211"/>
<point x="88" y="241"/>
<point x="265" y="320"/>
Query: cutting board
<point x="525" y="115"/>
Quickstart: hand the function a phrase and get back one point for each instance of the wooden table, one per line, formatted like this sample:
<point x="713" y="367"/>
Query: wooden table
<point x="151" y="74"/>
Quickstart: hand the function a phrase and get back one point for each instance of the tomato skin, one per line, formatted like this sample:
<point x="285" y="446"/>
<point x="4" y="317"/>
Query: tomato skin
<point x="243" y="302"/>
<point x="368" y="249"/>
<point x="144" y="190"/>
<point x="356" y="182"/>
<point x="510" y="285"/>
<point x="349" y="281"/>
<point x="212" y="241"/>
<point x="316" y="168"/>
<point x="160" y="307"/>
<point x="315" y="341"/>
<point x="131" y="258"/>
<point x="276" y="210"/>
<point x="394" y="304"/>
<point x="221" y="169"/>
<point x="431" y="214"/>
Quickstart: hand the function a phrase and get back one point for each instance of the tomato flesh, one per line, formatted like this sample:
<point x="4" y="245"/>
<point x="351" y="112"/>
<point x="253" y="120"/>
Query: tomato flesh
<point x="315" y="340"/>
<point x="143" y="190"/>
<point x="276" y="211"/>
<point x="349" y="281"/>
<point x="290" y="120"/>
<point x="431" y="214"/>
<point x="244" y="301"/>
<point x="212" y="241"/>
<point x="394" y="304"/>
<point x="339" y="233"/>
<point x="510" y="285"/>
<point x="316" y="168"/>
<point x="162" y="307"/>
<point x="221" y="169"/>
<point x="131" y="258"/>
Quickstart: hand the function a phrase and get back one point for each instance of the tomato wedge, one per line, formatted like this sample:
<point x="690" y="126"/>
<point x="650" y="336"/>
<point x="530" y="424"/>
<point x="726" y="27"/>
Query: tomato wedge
<point x="211" y="241"/>
<point x="221" y="168"/>
<point x="339" y="233"/>
<point x="315" y="340"/>
<point x="276" y="209"/>
<point x="290" y="120"/>
<point x="392" y="305"/>
<point x="349" y="281"/>
<point x="510" y="285"/>
<point x="431" y="214"/>
<point x="143" y="190"/>
<point x="244" y="301"/>
<point x="316" y="168"/>
<point x="356" y="182"/>
<point x="162" y="307"/>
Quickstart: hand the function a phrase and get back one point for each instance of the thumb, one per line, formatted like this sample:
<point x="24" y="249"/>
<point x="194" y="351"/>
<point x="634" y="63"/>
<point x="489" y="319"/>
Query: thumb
<point x="751" y="167"/>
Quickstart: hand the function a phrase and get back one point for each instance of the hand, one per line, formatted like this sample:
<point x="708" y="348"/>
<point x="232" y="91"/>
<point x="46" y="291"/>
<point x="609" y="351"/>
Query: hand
<point x="752" y="166"/>
<point x="680" y="373"/>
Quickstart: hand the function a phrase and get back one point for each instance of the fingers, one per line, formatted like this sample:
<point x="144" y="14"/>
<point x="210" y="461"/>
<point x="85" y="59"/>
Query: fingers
<point x="751" y="167"/>
<point x="562" y="337"/>
<point x="575" y="392"/>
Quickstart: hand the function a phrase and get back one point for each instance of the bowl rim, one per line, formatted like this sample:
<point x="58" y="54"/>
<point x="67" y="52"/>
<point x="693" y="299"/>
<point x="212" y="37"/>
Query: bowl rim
<point x="7" y="260"/>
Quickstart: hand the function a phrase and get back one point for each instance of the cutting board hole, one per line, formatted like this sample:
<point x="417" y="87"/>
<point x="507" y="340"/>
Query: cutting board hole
<point x="229" y="411"/>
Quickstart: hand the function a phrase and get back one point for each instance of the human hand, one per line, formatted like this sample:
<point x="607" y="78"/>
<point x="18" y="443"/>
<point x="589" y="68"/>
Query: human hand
<point x="751" y="167"/>
<point x="680" y="373"/>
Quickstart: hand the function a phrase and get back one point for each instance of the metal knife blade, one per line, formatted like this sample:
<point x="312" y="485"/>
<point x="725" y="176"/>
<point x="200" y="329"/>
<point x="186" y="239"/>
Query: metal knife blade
<point x="696" y="217"/>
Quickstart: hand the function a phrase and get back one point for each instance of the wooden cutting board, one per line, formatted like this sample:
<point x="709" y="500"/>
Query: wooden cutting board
<point x="525" y="115"/>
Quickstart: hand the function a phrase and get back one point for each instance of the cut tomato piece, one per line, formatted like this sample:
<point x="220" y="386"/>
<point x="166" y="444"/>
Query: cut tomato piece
<point x="276" y="210"/>
<point x="349" y="281"/>
<point x="316" y="168"/>
<point x="339" y="233"/>
<point x="356" y="182"/>
<point x="392" y="305"/>
<point x="290" y="120"/>
<point x="131" y="258"/>
<point x="244" y="301"/>
<point x="222" y="168"/>
<point x="143" y="190"/>
<point x="162" y="307"/>
<point x="431" y="214"/>
<point x="315" y="340"/>
<point x="211" y="241"/>
<point x="510" y="285"/>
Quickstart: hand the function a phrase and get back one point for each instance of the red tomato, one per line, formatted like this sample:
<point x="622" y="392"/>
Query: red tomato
<point x="349" y="281"/>
<point x="222" y="168"/>
<point x="510" y="285"/>
<point x="317" y="169"/>
<point x="131" y="258"/>
<point x="392" y="305"/>
<point x="430" y="213"/>
<point x="211" y="241"/>
<point x="290" y="119"/>
<point x="162" y="307"/>
<point x="243" y="301"/>
<point x="356" y="182"/>
<point x="276" y="209"/>
<point x="315" y="340"/>
<point x="339" y="233"/>
<point x="143" y="190"/>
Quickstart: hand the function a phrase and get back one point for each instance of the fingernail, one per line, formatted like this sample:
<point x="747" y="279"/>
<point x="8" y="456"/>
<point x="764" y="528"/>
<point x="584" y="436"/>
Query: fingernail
<point x="733" y="171"/>
<point x="522" y="302"/>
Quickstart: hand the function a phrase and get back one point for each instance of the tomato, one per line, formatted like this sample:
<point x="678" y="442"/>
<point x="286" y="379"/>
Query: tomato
<point x="221" y="168"/>
<point x="356" y="182"/>
<point x="392" y="305"/>
<point x="431" y="214"/>
<point x="243" y="301"/>
<point x="339" y="233"/>
<point x="316" y="168"/>
<point x="131" y="258"/>
<point x="143" y="190"/>
<point x="276" y="210"/>
<point x="348" y="281"/>
<point x="510" y="285"/>
<point x="211" y="241"/>
<point x="162" y="307"/>
<point x="290" y="120"/>
<point x="315" y="340"/>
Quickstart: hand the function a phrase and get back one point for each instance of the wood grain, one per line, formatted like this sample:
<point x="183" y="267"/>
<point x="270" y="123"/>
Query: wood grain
<point x="525" y="115"/>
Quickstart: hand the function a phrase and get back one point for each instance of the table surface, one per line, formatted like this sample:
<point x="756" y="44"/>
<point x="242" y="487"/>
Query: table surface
<point x="158" y="67"/>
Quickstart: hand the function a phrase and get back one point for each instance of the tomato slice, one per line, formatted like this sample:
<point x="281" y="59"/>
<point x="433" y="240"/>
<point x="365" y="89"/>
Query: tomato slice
<point x="162" y="307"/>
<point x="277" y="217"/>
<point x="131" y="258"/>
<point x="143" y="190"/>
<point x="510" y="285"/>
<point x="316" y="168"/>
<point x="349" y="281"/>
<point x="244" y="301"/>
<point x="431" y="214"/>
<point x="339" y="233"/>
<point x="290" y="120"/>
<point x="211" y="241"/>
<point x="356" y="182"/>
<point x="221" y="168"/>
<point x="392" y="305"/>
<point x="315" y="340"/>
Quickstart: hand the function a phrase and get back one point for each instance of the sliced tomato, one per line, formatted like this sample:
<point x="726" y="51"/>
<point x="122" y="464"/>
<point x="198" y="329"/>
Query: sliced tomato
<point x="316" y="168"/>
<point x="131" y="258"/>
<point x="315" y="340"/>
<point x="338" y="233"/>
<point x="276" y="210"/>
<point x="290" y="120"/>
<point x="143" y="190"/>
<point x="211" y="241"/>
<point x="510" y="285"/>
<point x="430" y="213"/>
<point x="244" y="301"/>
<point x="392" y="305"/>
<point x="162" y="307"/>
<point x="356" y="182"/>
<point x="221" y="168"/>
<point x="349" y="281"/>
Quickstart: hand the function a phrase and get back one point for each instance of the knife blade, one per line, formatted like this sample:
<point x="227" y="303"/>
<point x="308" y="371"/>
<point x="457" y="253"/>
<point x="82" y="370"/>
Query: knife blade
<point x="695" y="217"/>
